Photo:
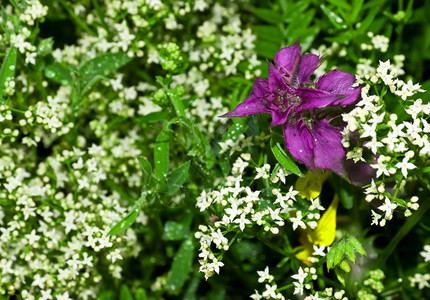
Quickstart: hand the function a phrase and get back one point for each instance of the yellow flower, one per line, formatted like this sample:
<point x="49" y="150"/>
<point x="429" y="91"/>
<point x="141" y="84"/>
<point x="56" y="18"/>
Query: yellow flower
<point x="310" y="186"/>
<point x="324" y="233"/>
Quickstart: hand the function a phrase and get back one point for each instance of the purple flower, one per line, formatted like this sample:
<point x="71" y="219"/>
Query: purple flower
<point x="302" y="109"/>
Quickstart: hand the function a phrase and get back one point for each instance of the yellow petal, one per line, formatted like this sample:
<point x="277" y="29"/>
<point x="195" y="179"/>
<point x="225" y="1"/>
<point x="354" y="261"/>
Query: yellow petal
<point x="325" y="232"/>
<point x="310" y="186"/>
<point x="306" y="251"/>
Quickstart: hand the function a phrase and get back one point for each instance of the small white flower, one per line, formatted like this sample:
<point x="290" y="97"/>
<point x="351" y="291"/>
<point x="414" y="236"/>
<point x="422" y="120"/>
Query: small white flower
<point x="426" y="253"/>
<point x="388" y="208"/>
<point x="264" y="275"/>
<point x="405" y="166"/>
<point x="301" y="276"/>
<point x="297" y="221"/>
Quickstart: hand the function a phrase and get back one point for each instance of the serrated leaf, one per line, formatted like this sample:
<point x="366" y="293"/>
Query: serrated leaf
<point x="125" y="293"/>
<point x="176" y="178"/>
<point x="268" y="15"/>
<point x="181" y="266"/>
<point x="146" y="168"/>
<point x="7" y="70"/>
<point x="330" y="257"/>
<point x="344" y="265"/>
<point x="283" y="158"/>
<point x="340" y="252"/>
<point x="130" y="217"/>
<point x="101" y="66"/>
<point x="349" y="250"/>
<point x="357" y="245"/>
<point x="340" y="274"/>
<point x="269" y="33"/>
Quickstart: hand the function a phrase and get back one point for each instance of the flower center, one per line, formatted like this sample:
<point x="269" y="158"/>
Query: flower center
<point x="283" y="100"/>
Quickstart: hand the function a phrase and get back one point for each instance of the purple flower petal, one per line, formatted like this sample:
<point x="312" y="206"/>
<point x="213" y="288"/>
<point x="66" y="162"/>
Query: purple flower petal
<point x="359" y="173"/>
<point x="308" y="64"/>
<point x="288" y="58"/>
<point x="279" y="117"/>
<point x="318" y="147"/>
<point x="329" y="152"/>
<point x="339" y="83"/>
<point x="299" y="142"/>
<point x="254" y="103"/>
<point x="312" y="98"/>
<point x="276" y="82"/>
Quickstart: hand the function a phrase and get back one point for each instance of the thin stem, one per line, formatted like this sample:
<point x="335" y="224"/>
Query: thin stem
<point x="285" y="287"/>
<point x="404" y="230"/>
<point x="77" y="19"/>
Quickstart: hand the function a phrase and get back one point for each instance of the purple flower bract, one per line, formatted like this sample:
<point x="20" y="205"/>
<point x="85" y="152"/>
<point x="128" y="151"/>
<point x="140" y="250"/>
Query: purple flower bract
<point x="301" y="107"/>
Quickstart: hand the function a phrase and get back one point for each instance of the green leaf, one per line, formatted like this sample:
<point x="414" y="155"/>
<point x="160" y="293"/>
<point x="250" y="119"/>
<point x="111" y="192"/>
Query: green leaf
<point x="330" y="257"/>
<point x="175" y="231"/>
<point x="125" y="293"/>
<point x="130" y="217"/>
<point x="308" y="37"/>
<point x="57" y="73"/>
<point x="344" y="265"/>
<point x="341" y="3"/>
<point x="268" y="15"/>
<point x="340" y="252"/>
<point x="349" y="250"/>
<point x="235" y="131"/>
<point x="176" y="178"/>
<point x="367" y="21"/>
<point x="283" y="158"/>
<point x="181" y="266"/>
<point x="334" y="19"/>
<point x="356" y="8"/>
<point x="270" y="33"/>
<point x="45" y="47"/>
<point x="266" y="49"/>
<point x="146" y="168"/>
<point x="357" y="245"/>
<point x="340" y="274"/>
<point x="161" y="154"/>
<point x="101" y="66"/>
<point x="154" y="117"/>
<point x="296" y="9"/>
<point x="7" y="71"/>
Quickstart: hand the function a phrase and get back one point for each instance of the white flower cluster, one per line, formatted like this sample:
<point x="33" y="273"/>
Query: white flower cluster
<point x="270" y="287"/>
<point x="378" y="42"/>
<point x="235" y="207"/>
<point x="208" y="236"/>
<point x="394" y="146"/>
<point x="422" y="279"/>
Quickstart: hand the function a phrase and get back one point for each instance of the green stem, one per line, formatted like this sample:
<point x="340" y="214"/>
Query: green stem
<point x="77" y="19"/>
<point x="100" y="14"/>
<point x="404" y="230"/>
<point x="285" y="287"/>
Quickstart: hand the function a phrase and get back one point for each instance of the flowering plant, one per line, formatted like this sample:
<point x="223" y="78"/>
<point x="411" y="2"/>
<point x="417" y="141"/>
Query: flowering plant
<point x="302" y="110"/>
